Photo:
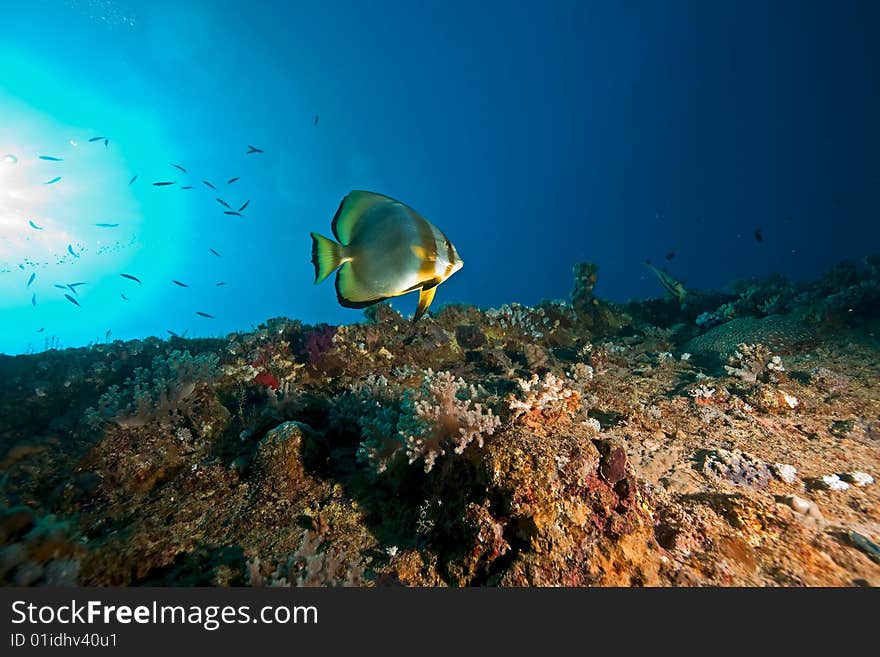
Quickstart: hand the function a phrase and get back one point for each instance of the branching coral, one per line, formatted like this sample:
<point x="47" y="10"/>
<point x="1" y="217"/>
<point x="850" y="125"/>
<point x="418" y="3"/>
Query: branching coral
<point x="441" y="414"/>
<point x="544" y="400"/>
<point x="159" y="394"/>
<point x="424" y="423"/>
<point x="753" y="362"/>
<point x="374" y="405"/>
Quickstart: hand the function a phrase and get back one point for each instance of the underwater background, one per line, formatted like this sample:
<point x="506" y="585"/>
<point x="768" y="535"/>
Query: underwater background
<point x="658" y="365"/>
<point x="535" y="135"/>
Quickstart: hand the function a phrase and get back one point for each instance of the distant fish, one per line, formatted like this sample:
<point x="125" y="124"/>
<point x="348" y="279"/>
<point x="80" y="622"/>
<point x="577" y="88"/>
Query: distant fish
<point x="31" y="279"/>
<point x="162" y="184"/>
<point x="34" y="226"/>
<point x="95" y="139"/>
<point x="224" y="203"/>
<point x="866" y="545"/>
<point x="172" y="333"/>
<point x="187" y="187"/>
<point x="125" y="298"/>
<point x="177" y="166"/>
<point x="49" y="158"/>
<point x="759" y="236"/>
<point x="106" y="143"/>
<point x="53" y="181"/>
<point x="253" y="149"/>
<point x="133" y="178"/>
<point x="232" y="180"/>
<point x="316" y="119"/>
<point x="246" y="203"/>
<point x="132" y="278"/>
<point x="214" y="252"/>
<point x="221" y="283"/>
<point x="40" y="330"/>
<point x="72" y="300"/>
<point x="201" y="314"/>
<point x="106" y="225"/>
<point x="60" y="287"/>
<point x="72" y="289"/>
<point x="670" y="255"/>
<point x="180" y="284"/>
<point x="209" y="184"/>
<point x="70" y="251"/>
<point x="73" y="286"/>
<point x="674" y="287"/>
<point x="34" y="300"/>
<point x="233" y="212"/>
<point x="385" y="249"/>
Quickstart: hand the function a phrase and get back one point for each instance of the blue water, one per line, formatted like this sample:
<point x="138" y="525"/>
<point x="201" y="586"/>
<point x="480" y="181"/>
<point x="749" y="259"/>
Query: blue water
<point x="534" y="134"/>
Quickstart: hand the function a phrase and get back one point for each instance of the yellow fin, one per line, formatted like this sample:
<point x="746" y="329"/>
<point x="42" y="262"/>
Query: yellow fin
<point x="419" y="252"/>
<point x="426" y="296"/>
<point x="352" y="209"/>
<point x="327" y="255"/>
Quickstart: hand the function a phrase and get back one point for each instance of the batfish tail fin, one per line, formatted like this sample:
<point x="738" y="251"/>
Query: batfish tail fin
<point x="327" y="255"/>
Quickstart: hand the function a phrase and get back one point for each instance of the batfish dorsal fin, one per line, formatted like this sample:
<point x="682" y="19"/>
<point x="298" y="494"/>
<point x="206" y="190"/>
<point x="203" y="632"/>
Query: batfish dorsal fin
<point x="426" y="296"/>
<point x="352" y="209"/>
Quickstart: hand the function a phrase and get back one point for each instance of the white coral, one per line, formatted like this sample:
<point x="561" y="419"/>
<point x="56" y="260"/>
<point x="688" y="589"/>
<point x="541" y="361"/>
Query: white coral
<point x="442" y="414"/>
<point x="546" y="393"/>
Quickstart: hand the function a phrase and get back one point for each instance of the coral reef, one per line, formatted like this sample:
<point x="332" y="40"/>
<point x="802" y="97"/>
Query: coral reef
<point x="733" y="441"/>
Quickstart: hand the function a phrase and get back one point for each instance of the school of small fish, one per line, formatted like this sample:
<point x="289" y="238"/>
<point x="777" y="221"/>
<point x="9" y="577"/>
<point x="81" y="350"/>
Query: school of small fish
<point x="384" y="248"/>
<point x="70" y="289"/>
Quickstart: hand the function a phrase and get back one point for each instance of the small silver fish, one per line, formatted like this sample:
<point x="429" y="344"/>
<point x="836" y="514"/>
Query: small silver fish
<point x="246" y="203"/>
<point x="177" y="166"/>
<point x="34" y="226"/>
<point x="133" y="178"/>
<point x="49" y="158"/>
<point x="385" y="249"/>
<point x="31" y="279"/>
<point x="53" y="181"/>
<point x="180" y="284"/>
<point x="231" y="180"/>
<point x="214" y="252"/>
<point x="253" y="149"/>
<point x="106" y="225"/>
<point x="72" y="300"/>
<point x="162" y="184"/>
<point x="34" y="300"/>
<point x="201" y="314"/>
<point x="70" y="251"/>
<point x="209" y="184"/>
